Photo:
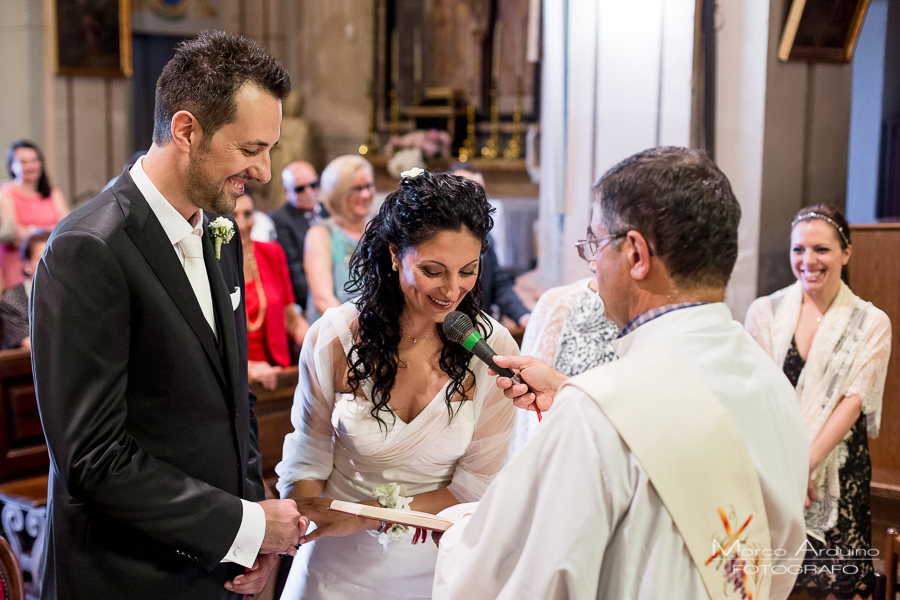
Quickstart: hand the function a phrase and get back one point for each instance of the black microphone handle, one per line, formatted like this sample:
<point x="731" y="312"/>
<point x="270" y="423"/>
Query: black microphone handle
<point x="487" y="354"/>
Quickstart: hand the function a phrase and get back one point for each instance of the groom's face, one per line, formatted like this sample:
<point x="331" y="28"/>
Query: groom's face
<point x="222" y="164"/>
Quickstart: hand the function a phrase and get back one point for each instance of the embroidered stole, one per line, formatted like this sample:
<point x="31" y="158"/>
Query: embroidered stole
<point x="698" y="463"/>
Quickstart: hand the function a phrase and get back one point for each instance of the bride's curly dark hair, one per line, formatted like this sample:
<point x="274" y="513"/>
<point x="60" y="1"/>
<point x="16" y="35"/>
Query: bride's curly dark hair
<point x="420" y="208"/>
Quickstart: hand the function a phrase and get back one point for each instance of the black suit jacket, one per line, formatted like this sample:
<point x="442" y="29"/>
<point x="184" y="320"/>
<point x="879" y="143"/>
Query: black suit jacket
<point x="497" y="287"/>
<point x="291" y="227"/>
<point x="148" y="418"/>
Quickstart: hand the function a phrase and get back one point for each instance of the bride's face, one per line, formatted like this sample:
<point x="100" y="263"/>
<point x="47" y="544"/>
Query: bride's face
<point x="437" y="274"/>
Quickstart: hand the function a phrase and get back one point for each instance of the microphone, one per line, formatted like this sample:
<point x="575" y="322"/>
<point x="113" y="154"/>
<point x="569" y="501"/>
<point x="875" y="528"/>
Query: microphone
<point x="458" y="327"/>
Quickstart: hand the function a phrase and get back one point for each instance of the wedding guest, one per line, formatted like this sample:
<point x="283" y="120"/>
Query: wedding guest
<point x="27" y="203"/>
<point x="386" y="405"/>
<point x="14" y="303"/>
<point x="834" y="348"/>
<point x="300" y="211"/>
<point x="569" y="332"/>
<point x="499" y="294"/>
<point x="272" y="318"/>
<point x="348" y="188"/>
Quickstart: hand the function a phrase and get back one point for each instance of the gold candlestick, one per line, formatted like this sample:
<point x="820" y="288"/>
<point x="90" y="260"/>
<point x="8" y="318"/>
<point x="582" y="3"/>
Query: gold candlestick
<point x="514" y="149"/>
<point x="467" y="150"/>
<point x="395" y="113"/>
<point x="490" y="149"/>
<point x="370" y="146"/>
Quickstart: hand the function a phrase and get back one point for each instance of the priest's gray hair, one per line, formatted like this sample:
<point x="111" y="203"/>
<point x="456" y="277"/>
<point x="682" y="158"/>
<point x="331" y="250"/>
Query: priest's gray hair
<point x="682" y="204"/>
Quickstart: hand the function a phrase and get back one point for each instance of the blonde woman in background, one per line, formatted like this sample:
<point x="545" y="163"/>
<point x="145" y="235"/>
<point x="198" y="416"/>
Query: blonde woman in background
<point x="347" y="190"/>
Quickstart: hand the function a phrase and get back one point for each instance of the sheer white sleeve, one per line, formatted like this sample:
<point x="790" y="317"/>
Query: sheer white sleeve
<point x="309" y="450"/>
<point x="494" y="418"/>
<point x="541" y="338"/>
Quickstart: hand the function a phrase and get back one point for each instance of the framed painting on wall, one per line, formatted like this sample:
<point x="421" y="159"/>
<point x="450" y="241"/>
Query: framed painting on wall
<point x="93" y="38"/>
<point x="822" y="30"/>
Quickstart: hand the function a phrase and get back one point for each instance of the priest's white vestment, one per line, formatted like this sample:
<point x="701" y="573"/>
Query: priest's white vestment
<point x="575" y="514"/>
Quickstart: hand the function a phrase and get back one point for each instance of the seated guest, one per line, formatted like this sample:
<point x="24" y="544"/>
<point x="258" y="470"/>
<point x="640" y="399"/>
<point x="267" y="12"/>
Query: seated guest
<point x="834" y="348"/>
<point x="27" y="203"/>
<point x="14" y="303"/>
<point x="272" y="317"/>
<point x="568" y="331"/>
<point x="300" y="211"/>
<point x="671" y="471"/>
<point x="496" y="281"/>
<point x="348" y="188"/>
<point x="386" y="402"/>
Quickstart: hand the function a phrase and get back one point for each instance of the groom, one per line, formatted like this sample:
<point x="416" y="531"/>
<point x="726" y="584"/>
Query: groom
<point x="139" y="350"/>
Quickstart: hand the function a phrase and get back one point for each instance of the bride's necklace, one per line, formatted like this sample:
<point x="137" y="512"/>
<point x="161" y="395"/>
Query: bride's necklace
<point x="424" y="337"/>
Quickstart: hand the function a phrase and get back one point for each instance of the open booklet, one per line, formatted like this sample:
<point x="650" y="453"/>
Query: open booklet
<point x="411" y="518"/>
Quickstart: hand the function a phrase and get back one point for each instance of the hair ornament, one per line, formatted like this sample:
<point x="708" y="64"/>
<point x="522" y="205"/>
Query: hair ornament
<point x="821" y="217"/>
<point x="412" y="173"/>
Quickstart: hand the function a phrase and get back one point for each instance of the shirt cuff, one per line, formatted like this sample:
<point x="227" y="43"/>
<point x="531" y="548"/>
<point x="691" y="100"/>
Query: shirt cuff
<point x="249" y="537"/>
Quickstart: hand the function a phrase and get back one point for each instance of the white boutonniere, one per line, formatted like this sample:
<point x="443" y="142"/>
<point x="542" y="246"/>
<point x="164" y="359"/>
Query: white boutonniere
<point x="222" y="230"/>
<point x="412" y="173"/>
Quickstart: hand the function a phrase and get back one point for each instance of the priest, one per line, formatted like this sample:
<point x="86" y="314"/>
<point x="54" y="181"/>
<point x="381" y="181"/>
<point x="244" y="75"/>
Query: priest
<point x="678" y="471"/>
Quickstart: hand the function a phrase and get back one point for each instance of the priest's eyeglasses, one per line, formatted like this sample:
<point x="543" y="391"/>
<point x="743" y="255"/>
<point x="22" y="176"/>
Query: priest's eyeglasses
<point x="589" y="248"/>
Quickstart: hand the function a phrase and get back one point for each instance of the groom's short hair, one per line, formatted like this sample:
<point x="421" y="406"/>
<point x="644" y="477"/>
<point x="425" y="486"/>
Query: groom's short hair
<point x="204" y="77"/>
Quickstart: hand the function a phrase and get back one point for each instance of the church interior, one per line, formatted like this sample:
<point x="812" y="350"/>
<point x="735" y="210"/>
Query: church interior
<point x="798" y="102"/>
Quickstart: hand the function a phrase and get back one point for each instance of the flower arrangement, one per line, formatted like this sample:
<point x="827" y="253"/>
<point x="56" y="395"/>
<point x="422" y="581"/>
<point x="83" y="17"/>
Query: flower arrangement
<point x="390" y="495"/>
<point x="412" y="150"/>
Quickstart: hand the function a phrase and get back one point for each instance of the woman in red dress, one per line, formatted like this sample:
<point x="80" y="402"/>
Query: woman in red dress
<point x="27" y="203"/>
<point x="272" y="316"/>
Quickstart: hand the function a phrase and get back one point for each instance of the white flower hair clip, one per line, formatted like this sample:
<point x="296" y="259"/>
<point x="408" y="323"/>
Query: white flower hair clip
<point x="222" y="230"/>
<point x="412" y="173"/>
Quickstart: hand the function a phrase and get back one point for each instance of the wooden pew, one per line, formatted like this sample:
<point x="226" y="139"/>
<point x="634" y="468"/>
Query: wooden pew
<point x="874" y="271"/>
<point x="273" y="412"/>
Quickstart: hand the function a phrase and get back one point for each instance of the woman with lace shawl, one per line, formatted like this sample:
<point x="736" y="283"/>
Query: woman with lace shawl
<point x="567" y="330"/>
<point x="834" y="348"/>
<point x="388" y="411"/>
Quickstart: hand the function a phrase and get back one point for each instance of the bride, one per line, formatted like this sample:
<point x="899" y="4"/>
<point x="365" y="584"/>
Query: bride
<point x="387" y="410"/>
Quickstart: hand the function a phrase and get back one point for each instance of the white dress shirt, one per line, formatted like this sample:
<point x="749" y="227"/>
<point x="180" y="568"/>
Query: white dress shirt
<point x="250" y="536"/>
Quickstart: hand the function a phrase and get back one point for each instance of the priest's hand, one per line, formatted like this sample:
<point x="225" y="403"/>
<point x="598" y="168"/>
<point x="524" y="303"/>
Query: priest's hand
<point x="543" y="380"/>
<point x="332" y="523"/>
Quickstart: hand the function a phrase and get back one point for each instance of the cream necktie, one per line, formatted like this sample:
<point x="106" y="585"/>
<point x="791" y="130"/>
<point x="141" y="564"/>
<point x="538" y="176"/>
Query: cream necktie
<point x="192" y="248"/>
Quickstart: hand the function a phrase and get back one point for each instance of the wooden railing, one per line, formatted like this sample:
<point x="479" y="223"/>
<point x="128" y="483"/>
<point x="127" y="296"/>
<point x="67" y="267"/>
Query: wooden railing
<point x="874" y="271"/>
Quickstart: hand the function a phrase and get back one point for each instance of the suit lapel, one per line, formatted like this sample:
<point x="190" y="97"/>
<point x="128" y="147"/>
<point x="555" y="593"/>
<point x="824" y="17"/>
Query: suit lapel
<point x="221" y="295"/>
<point x="150" y="239"/>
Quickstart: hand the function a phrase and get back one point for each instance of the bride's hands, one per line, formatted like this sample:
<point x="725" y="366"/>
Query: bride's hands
<point x="329" y="522"/>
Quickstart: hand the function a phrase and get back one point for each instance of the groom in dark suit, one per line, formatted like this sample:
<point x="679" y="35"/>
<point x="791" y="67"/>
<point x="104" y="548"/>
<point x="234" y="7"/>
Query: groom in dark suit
<point x="139" y="351"/>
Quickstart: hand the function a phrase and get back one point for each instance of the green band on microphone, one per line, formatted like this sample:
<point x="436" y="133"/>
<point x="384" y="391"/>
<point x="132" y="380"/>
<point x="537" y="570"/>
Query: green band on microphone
<point x="471" y="339"/>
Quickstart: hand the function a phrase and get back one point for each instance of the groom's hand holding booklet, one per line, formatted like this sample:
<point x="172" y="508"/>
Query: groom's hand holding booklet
<point x="411" y="518"/>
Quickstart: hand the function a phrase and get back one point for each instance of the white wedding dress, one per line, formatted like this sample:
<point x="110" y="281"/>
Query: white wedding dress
<point x="336" y="439"/>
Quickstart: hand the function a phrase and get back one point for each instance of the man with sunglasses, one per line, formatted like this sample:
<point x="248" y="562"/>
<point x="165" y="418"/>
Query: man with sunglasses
<point x="677" y="471"/>
<point x="292" y="221"/>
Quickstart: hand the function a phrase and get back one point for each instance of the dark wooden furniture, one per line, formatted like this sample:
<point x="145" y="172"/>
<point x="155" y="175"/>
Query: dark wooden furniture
<point x="891" y="555"/>
<point x="11" y="585"/>
<point x="273" y="412"/>
<point x="874" y="271"/>
<point x="22" y="445"/>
